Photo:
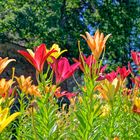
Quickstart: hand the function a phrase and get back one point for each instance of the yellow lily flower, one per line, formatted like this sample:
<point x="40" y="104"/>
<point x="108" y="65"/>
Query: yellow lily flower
<point x="24" y="83"/>
<point x="10" y="101"/>
<point x="137" y="102"/>
<point x="5" y="119"/>
<point x="55" y="54"/>
<point x="5" y="86"/>
<point x="4" y="62"/>
<point x="136" y="105"/>
<point x="96" y="43"/>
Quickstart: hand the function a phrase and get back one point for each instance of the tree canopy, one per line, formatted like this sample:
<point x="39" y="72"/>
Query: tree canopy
<point x="30" y="23"/>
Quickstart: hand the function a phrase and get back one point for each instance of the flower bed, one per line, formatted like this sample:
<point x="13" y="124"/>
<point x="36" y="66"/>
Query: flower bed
<point x="103" y="107"/>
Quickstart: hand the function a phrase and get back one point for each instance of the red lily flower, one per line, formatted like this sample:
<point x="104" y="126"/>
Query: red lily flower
<point x="111" y="76"/>
<point x="136" y="81"/>
<point x="58" y="93"/>
<point x="69" y="95"/>
<point x="123" y="72"/>
<point x="136" y="110"/>
<point x="136" y="57"/>
<point x="129" y="67"/>
<point x="62" y="69"/>
<point x="37" y="58"/>
<point x="90" y="60"/>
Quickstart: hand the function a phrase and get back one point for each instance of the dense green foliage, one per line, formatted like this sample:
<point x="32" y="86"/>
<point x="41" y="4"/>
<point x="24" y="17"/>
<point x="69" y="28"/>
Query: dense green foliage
<point x="30" y="23"/>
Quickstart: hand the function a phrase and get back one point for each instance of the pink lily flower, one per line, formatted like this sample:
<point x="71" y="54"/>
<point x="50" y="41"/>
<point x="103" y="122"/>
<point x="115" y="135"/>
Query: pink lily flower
<point x="37" y="58"/>
<point x="101" y="73"/>
<point x="62" y="69"/>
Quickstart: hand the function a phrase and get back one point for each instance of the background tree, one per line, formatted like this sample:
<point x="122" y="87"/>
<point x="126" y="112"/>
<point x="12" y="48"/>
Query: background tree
<point x="29" y="23"/>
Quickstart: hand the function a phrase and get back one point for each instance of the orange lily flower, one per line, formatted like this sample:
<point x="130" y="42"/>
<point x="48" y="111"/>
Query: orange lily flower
<point x="5" y="86"/>
<point x="33" y="90"/>
<point x="24" y="83"/>
<point x="116" y="138"/>
<point x="4" y="62"/>
<point x="96" y="43"/>
<point x="108" y="89"/>
<point x="37" y="58"/>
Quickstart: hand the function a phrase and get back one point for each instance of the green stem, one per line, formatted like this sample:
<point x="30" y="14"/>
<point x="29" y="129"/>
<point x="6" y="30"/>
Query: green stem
<point x="37" y="77"/>
<point x="33" y="124"/>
